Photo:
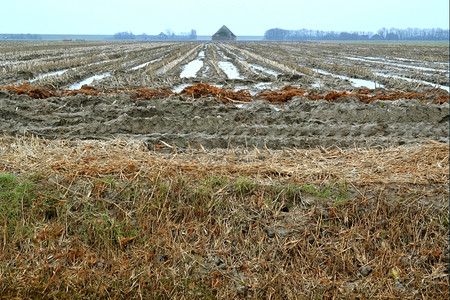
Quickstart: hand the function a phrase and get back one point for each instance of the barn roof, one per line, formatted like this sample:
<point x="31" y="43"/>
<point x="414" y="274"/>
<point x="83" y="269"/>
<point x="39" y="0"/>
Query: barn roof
<point x="224" y="31"/>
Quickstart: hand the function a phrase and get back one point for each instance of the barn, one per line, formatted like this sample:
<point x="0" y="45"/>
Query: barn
<point x="224" y="34"/>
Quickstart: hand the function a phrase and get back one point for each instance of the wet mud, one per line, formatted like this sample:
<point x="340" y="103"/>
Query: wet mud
<point x="182" y="121"/>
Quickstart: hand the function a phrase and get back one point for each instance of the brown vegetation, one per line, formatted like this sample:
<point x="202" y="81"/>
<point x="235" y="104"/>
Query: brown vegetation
<point x="34" y="92"/>
<point x="144" y="93"/>
<point x="202" y="90"/>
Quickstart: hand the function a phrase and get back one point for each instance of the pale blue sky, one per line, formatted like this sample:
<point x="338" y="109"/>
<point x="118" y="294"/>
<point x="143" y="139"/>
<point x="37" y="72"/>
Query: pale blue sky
<point x="243" y="17"/>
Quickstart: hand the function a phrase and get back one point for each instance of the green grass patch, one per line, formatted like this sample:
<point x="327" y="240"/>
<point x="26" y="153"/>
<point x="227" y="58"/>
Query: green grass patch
<point x="243" y="185"/>
<point x="339" y="193"/>
<point x="16" y="196"/>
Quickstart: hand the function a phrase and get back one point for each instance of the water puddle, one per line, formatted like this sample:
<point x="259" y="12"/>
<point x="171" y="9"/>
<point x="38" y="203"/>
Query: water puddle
<point x="180" y="87"/>
<point x="167" y="67"/>
<point x="230" y="69"/>
<point x="402" y="66"/>
<point x="89" y="81"/>
<point x="356" y="82"/>
<point x="145" y="64"/>
<point x="102" y="62"/>
<point x="55" y="73"/>
<point x="141" y="66"/>
<point x="275" y="108"/>
<point x="205" y="71"/>
<point x="444" y="87"/>
<point x="323" y="72"/>
<point x="363" y="83"/>
<point x="260" y="68"/>
<point x="264" y="85"/>
<point x="390" y="62"/>
<point x="223" y="55"/>
<point x="191" y="68"/>
<point x="272" y="106"/>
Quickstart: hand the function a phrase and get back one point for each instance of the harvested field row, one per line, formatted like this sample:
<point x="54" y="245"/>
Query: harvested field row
<point x="305" y="65"/>
<point x="313" y="56"/>
<point x="111" y="219"/>
<point x="67" y="70"/>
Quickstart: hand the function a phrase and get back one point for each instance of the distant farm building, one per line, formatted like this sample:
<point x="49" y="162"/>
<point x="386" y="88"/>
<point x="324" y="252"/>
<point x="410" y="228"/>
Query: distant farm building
<point x="162" y="36"/>
<point x="224" y="34"/>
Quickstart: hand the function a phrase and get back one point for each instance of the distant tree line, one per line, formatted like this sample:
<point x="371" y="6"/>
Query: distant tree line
<point x="124" y="36"/>
<point x="393" y="34"/>
<point x="21" y="36"/>
<point x="169" y="35"/>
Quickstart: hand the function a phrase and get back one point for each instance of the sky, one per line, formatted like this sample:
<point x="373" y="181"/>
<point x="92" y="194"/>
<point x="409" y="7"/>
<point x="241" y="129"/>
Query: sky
<point x="243" y="17"/>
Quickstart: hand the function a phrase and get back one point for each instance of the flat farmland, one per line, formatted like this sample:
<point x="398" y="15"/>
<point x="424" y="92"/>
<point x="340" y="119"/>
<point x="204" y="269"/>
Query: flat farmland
<point x="199" y="170"/>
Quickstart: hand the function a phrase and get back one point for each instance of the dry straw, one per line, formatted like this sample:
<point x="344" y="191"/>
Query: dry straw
<point x="410" y="164"/>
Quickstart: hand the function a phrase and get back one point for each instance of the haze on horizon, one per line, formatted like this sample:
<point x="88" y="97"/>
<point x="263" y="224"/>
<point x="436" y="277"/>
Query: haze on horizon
<point x="244" y="17"/>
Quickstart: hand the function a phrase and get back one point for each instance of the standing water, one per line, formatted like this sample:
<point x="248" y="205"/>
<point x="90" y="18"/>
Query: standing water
<point x="88" y="81"/>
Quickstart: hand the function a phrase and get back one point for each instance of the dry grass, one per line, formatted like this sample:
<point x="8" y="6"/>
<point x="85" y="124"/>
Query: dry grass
<point x="93" y="219"/>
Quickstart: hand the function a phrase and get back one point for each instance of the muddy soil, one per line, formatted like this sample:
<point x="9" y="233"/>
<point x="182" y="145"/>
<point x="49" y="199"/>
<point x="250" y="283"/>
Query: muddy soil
<point x="183" y="122"/>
